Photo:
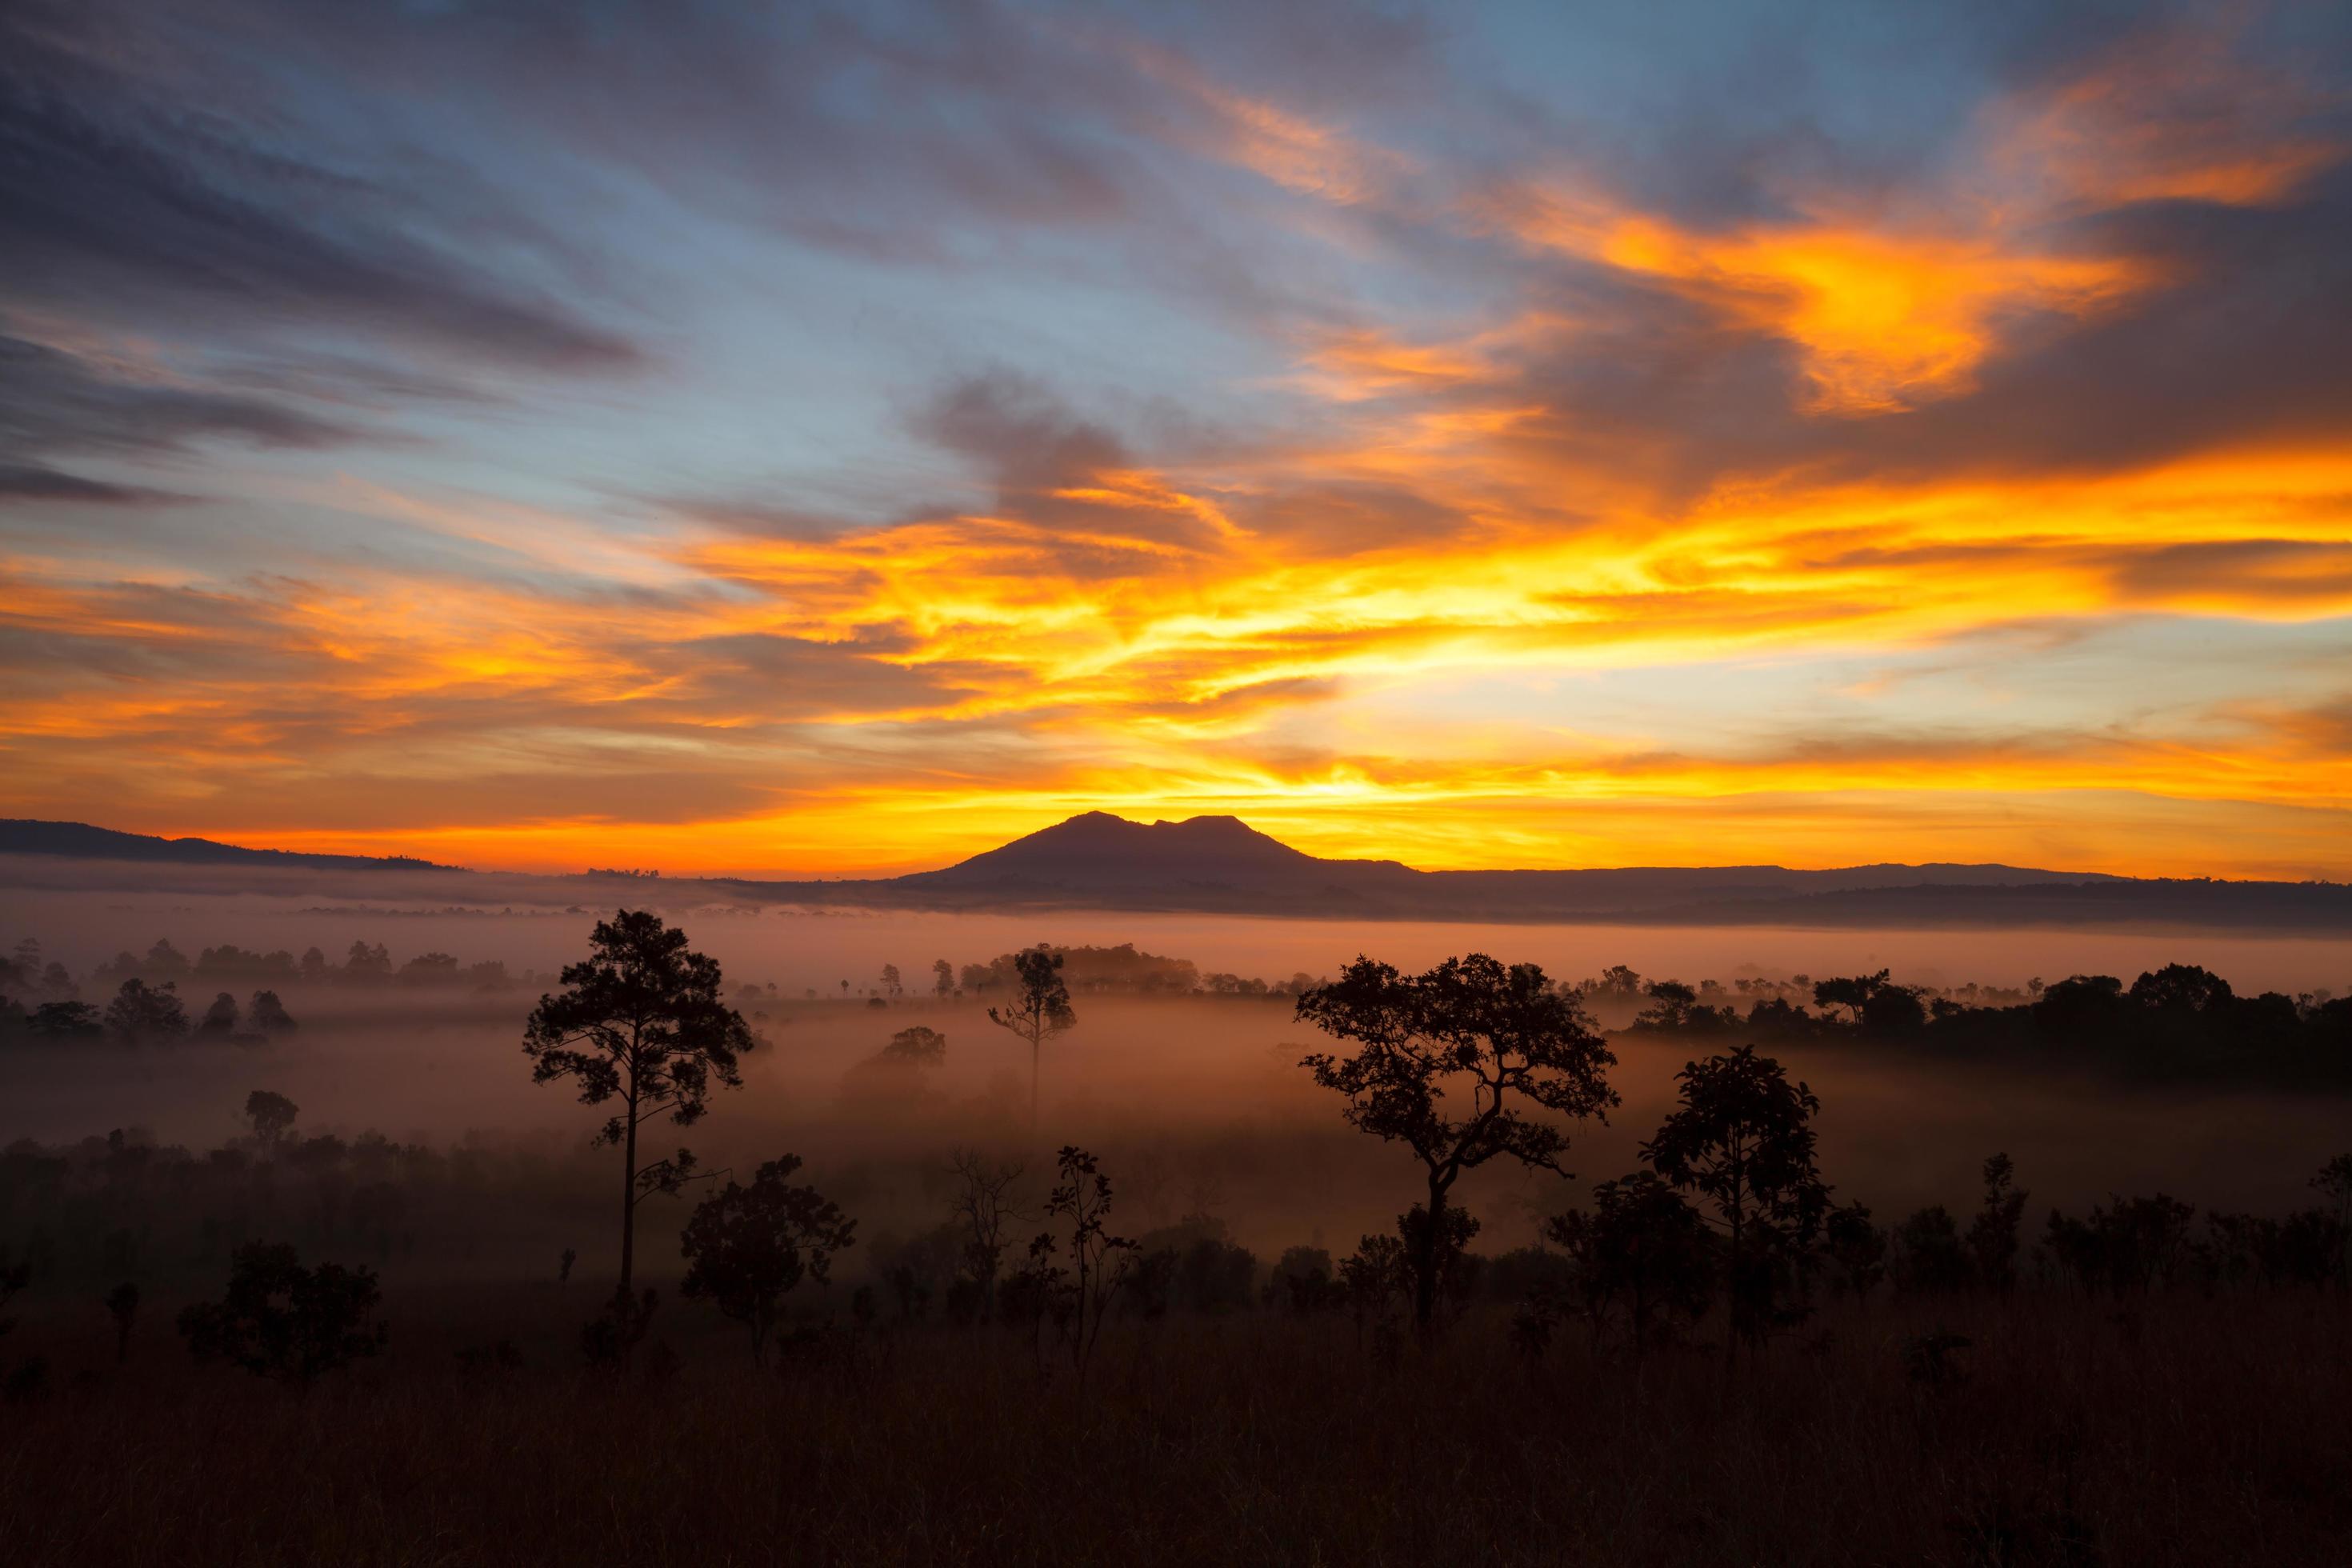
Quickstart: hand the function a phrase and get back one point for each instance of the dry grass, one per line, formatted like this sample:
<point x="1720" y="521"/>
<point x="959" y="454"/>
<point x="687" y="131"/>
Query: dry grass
<point x="2181" y="1429"/>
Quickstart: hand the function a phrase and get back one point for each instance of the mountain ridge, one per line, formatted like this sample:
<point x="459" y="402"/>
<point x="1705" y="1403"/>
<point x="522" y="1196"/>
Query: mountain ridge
<point x="80" y="841"/>
<point x="1220" y="865"/>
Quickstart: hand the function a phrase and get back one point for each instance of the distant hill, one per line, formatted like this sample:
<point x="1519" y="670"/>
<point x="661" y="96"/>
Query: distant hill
<point x="1099" y="854"/>
<point x="1220" y="865"/>
<point x="79" y="841"/>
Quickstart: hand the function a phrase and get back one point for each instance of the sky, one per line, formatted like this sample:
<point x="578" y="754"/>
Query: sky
<point x="838" y="439"/>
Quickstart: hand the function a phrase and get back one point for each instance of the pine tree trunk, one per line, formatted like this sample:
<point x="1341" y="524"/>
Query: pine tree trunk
<point x="629" y="1196"/>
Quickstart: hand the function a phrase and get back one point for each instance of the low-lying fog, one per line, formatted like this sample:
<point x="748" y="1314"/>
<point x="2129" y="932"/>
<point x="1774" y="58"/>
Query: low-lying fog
<point x="1196" y="1104"/>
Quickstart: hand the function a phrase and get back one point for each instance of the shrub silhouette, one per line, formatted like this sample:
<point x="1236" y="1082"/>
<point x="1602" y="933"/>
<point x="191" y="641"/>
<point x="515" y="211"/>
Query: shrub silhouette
<point x="1302" y="1281"/>
<point x="221" y="1018"/>
<point x="2335" y="1182"/>
<point x="610" y="1338"/>
<point x="1471" y="1025"/>
<point x="1076" y="1297"/>
<point x="746" y="1247"/>
<point x="1742" y="1136"/>
<point x="1926" y="1257"/>
<point x="1641" y="1255"/>
<point x="1376" y="1278"/>
<point x="1193" y="1264"/>
<point x="1993" y="1235"/>
<point x="281" y="1321"/>
<point x="122" y="1306"/>
<point x="2125" y="1246"/>
<point x="641" y="1021"/>
<point x="1855" y="1248"/>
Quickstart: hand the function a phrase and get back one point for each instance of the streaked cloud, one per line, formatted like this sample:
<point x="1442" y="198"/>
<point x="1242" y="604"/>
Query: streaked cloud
<point x="1215" y="430"/>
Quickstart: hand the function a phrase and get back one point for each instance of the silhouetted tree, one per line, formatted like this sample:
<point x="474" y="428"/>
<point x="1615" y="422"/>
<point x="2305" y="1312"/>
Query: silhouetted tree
<point x="2334" y="1182"/>
<point x="1670" y="1003"/>
<point x="984" y="1207"/>
<point x="1993" y="1235"/>
<point x="140" y="1014"/>
<point x="1302" y="1279"/>
<point x="122" y="1306"/>
<point x="1853" y="994"/>
<point x="890" y="978"/>
<point x="563" y="1264"/>
<point x="15" y="1276"/>
<point x="919" y="1046"/>
<point x="280" y="1320"/>
<point x="613" y="1335"/>
<point x="1038" y="1012"/>
<point x="942" y="977"/>
<point x="2124" y="1246"/>
<point x="2181" y="989"/>
<point x="221" y="1018"/>
<point x="2081" y="1009"/>
<point x="641" y="1020"/>
<point x="1488" y="1035"/>
<point x="1076" y="1297"/>
<point x="267" y="1015"/>
<point x="746" y="1246"/>
<point x="1856" y="1250"/>
<point x="1376" y="1276"/>
<point x="66" y="1021"/>
<point x="1643" y="1252"/>
<point x="1742" y="1135"/>
<point x="1926" y="1255"/>
<point x="271" y="1115"/>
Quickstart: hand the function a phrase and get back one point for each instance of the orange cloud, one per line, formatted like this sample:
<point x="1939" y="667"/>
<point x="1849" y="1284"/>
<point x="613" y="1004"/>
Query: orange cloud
<point x="1266" y="623"/>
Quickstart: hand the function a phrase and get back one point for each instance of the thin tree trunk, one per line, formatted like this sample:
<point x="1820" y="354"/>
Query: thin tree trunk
<point x="629" y="1196"/>
<point x="1425" y="1293"/>
<point x="1736" y="1319"/>
<point x="1036" y="1041"/>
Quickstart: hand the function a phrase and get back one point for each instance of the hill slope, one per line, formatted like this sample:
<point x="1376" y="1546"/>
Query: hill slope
<point x="78" y="840"/>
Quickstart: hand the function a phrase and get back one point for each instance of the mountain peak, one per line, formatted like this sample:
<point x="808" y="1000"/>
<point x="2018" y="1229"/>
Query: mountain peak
<point x="1096" y="848"/>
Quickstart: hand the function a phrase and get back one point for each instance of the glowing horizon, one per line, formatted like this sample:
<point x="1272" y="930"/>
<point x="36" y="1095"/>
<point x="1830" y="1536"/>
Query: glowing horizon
<point x="842" y="450"/>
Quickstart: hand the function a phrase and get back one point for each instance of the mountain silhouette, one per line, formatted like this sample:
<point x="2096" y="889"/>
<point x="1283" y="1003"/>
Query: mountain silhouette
<point x="1097" y="850"/>
<point x="80" y="841"/>
<point x="1220" y="865"/>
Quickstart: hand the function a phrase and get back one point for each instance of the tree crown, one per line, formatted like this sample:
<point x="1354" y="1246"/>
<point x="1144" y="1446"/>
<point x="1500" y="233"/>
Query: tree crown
<point x="642" y="1017"/>
<point x="1442" y="1054"/>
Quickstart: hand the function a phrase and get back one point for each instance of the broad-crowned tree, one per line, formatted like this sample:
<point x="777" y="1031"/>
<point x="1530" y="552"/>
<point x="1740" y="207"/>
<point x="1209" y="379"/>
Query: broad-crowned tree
<point x="640" y="1021"/>
<point x="746" y="1246"/>
<point x="1445" y="1063"/>
<point x="141" y="1012"/>
<point x="280" y="1320"/>
<point x="272" y="1115"/>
